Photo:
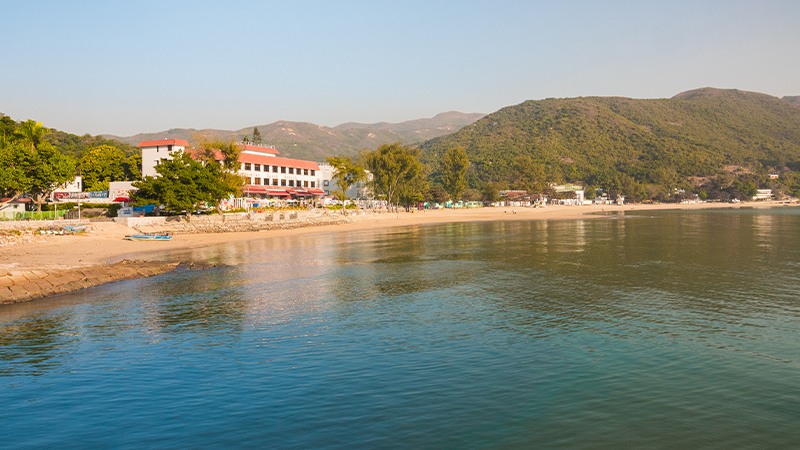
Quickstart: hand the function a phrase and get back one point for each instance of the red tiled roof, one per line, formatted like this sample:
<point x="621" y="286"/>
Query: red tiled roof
<point x="278" y="161"/>
<point x="257" y="148"/>
<point x="259" y="159"/>
<point x="161" y="142"/>
<point x="198" y="152"/>
<point x="263" y="190"/>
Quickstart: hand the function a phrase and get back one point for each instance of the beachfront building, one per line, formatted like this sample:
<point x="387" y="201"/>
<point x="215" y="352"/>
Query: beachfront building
<point x="573" y="190"/>
<point x="155" y="151"/>
<point x="329" y="185"/>
<point x="267" y="175"/>
<point x="13" y="209"/>
<point x="763" y="194"/>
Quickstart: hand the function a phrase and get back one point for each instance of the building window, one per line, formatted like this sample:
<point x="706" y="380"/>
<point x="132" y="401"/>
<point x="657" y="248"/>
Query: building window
<point x="291" y="170"/>
<point x="275" y="169"/>
<point x="291" y="183"/>
<point x="283" y="169"/>
<point x="246" y="166"/>
<point x="283" y="182"/>
<point x="305" y="171"/>
<point x="274" y="181"/>
<point x="257" y="181"/>
<point x="257" y="167"/>
<point x="312" y="184"/>
<point x="312" y="172"/>
<point x="305" y="183"/>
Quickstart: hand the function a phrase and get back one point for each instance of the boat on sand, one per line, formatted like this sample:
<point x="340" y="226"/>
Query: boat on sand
<point x="148" y="237"/>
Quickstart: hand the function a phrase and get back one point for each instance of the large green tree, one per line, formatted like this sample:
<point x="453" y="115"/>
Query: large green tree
<point x="453" y="166"/>
<point x="256" y="136"/>
<point x="346" y="173"/>
<point x="48" y="169"/>
<point x="15" y="159"/>
<point x="226" y="155"/>
<point x="32" y="133"/>
<point x="183" y="184"/>
<point x="394" y="168"/>
<point x="101" y="165"/>
<point x="133" y="167"/>
<point x="30" y="165"/>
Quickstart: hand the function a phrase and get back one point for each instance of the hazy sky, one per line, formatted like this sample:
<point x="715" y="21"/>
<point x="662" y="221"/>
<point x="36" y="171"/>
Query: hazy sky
<point x="139" y="66"/>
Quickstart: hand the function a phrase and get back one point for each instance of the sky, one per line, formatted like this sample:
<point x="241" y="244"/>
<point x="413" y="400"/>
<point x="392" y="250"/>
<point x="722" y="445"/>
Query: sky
<point x="130" y="67"/>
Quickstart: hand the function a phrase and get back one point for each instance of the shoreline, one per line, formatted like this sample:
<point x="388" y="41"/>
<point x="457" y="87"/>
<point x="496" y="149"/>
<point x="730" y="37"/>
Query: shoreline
<point x="105" y="248"/>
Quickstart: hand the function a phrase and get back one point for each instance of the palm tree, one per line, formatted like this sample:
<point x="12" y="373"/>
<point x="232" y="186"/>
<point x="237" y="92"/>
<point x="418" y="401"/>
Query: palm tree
<point x="32" y="132"/>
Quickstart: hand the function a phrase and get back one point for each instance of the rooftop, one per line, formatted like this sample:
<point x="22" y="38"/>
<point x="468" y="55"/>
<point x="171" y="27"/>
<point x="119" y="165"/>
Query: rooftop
<point x="161" y="142"/>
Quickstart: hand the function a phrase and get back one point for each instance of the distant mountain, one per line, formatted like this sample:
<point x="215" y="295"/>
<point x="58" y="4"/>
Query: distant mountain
<point x="599" y="139"/>
<point x="304" y="140"/>
<point x="793" y="99"/>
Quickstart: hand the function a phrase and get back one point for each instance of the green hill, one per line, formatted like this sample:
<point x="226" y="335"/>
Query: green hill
<point x="598" y="140"/>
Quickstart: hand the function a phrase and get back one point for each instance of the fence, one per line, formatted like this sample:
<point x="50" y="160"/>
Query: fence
<point x="32" y="215"/>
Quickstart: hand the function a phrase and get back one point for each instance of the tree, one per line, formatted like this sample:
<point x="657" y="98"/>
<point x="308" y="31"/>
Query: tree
<point x="393" y="169"/>
<point x="226" y="154"/>
<point x="32" y="133"/>
<point x="133" y="167"/>
<point x="346" y="173"/>
<point x="438" y="194"/>
<point x="530" y="176"/>
<point x="453" y="165"/>
<point x="256" y="136"/>
<point x="14" y="162"/>
<point x="183" y="184"/>
<point x="48" y="169"/>
<point x="491" y="192"/>
<point x="101" y="165"/>
<point x="471" y="195"/>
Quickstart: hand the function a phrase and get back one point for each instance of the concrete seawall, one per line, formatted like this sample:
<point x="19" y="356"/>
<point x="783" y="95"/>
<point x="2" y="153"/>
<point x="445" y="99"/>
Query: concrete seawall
<point x="232" y="223"/>
<point x="23" y="285"/>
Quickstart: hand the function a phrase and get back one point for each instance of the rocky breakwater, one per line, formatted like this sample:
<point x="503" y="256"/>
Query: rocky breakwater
<point x="231" y="223"/>
<point x="23" y="285"/>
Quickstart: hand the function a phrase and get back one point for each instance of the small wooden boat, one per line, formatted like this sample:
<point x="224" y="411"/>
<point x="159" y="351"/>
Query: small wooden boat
<point x="148" y="237"/>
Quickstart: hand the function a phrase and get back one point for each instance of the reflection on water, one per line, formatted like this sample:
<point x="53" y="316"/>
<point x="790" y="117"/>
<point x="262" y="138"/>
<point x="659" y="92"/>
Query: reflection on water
<point x="663" y="330"/>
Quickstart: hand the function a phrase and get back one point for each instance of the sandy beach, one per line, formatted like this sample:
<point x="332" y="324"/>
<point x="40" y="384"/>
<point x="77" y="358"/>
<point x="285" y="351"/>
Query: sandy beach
<point x="106" y="243"/>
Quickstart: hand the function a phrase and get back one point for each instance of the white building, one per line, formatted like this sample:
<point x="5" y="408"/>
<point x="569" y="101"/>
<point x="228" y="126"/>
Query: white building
<point x="578" y="190"/>
<point x="328" y="185"/>
<point x="155" y="151"/>
<point x="12" y="208"/>
<point x="763" y="194"/>
<point x="266" y="174"/>
<point x="64" y="191"/>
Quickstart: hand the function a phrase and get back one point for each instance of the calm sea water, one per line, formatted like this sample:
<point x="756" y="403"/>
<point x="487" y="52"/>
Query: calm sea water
<point x="663" y="330"/>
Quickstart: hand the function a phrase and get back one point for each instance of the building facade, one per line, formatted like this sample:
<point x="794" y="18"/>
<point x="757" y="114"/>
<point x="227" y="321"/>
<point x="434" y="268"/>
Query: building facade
<point x="266" y="174"/>
<point x="155" y="151"/>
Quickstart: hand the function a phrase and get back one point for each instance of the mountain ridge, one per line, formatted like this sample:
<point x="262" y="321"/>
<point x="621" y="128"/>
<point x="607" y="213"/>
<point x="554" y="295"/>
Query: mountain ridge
<point x="305" y="140"/>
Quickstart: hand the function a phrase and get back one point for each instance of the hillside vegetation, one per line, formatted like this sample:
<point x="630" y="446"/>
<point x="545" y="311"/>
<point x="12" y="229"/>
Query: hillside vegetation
<point x="305" y="140"/>
<point x="608" y="141"/>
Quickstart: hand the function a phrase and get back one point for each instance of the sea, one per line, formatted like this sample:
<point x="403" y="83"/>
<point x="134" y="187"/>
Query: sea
<point x="644" y="329"/>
